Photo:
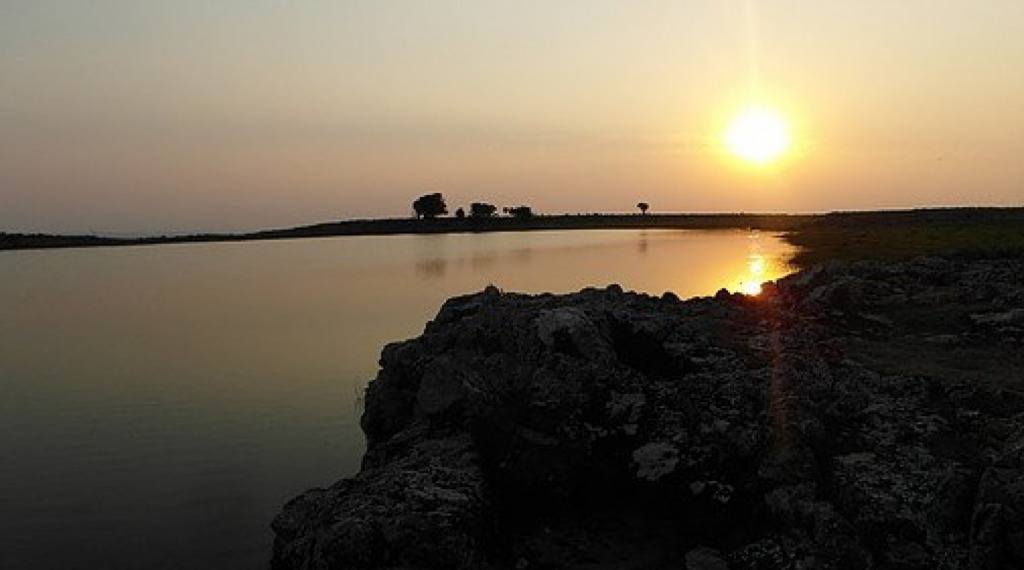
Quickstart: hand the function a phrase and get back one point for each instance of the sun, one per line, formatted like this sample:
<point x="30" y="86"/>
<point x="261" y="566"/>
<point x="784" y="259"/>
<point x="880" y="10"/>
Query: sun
<point x="759" y="135"/>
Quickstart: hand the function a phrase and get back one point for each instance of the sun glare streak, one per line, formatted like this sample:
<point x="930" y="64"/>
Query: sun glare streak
<point x="753" y="52"/>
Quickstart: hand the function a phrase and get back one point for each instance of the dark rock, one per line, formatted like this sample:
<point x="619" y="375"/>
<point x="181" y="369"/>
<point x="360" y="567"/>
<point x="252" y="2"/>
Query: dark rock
<point x="382" y="518"/>
<point x="853" y="416"/>
<point x="705" y="559"/>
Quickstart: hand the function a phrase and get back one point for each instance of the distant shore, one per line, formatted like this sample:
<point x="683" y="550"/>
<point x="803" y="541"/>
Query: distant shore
<point x="396" y="226"/>
<point x="888" y="234"/>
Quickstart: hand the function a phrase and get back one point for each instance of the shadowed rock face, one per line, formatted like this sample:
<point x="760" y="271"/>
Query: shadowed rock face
<point x="852" y="416"/>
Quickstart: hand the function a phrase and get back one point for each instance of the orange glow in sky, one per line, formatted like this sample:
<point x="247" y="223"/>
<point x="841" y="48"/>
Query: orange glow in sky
<point x="121" y="116"/>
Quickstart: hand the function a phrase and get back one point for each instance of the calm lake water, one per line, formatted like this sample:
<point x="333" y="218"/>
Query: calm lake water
<point x="161" y="403"/>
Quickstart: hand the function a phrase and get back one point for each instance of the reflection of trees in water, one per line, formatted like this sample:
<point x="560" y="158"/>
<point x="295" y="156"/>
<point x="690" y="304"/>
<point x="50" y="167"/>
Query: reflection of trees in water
<point x="642" y="244"/>
<point x="522" y="253"/>
<point x="482" y="260"/>
<point x="439" y="266"/>
<point x="435" y="267"/>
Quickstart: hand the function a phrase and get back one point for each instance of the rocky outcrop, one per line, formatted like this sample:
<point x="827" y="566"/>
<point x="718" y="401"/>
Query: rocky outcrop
<point x="850" y="416"/>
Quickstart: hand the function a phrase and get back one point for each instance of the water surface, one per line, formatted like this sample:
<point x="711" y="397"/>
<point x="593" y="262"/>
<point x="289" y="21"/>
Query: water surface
<point x="161" y="403"/>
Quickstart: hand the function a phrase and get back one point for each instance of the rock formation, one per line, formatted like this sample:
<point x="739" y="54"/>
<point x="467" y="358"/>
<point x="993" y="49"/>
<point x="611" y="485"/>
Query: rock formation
<point x="850" y="416"/>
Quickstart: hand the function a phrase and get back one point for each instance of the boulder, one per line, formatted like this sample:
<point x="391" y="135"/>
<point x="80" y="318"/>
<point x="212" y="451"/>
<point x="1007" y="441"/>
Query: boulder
<point x="842" y="419"/>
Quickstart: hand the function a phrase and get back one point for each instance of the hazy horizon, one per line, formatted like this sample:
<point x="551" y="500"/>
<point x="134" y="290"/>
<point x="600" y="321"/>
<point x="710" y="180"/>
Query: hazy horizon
<point x="141" y="117"/>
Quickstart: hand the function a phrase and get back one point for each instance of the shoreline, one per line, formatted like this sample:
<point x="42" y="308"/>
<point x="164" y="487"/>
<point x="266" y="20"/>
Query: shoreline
<point x="408" y="226"/>
<point x="846" y="236"/>
<point x="828" y="231"/>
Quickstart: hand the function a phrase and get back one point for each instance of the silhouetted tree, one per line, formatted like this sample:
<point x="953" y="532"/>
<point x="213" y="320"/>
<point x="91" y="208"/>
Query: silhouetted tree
<point x="519" y="212"/>
<point x="460" y="213"/>
<point x="643" y="208"/>
<point x="482" y="210"/>
<point x="430" y="206"/>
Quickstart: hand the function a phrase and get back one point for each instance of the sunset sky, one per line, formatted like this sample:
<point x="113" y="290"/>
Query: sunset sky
<point x="144" y="116"/>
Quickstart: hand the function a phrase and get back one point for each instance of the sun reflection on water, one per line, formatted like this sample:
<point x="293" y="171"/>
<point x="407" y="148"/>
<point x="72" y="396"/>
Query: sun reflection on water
<point x="758" y="269"/>
<point x="750" y="284"/>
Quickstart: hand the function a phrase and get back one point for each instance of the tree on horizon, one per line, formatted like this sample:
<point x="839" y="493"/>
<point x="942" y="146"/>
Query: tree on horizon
<point x="643" y="206"/>
<point x="430" y="206"/>
<point x="482" y="210"/>
<point x="519" y="212"/>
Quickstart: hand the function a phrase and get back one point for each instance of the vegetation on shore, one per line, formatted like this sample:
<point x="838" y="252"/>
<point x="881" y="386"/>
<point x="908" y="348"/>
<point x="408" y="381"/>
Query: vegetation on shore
<point x="906" y="234"/>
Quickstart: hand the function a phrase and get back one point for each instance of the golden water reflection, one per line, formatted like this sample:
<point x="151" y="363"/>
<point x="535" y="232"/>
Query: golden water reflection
<point x="759" y="268"/>
<point x="688" y="263"/>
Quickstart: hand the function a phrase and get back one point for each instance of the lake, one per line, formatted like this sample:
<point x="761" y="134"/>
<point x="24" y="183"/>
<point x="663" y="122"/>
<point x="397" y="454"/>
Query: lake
<point x="161" y="403"/>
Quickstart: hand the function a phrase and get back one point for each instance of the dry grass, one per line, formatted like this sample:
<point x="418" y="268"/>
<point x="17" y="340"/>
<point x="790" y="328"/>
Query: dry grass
<point x="855" y="237"/>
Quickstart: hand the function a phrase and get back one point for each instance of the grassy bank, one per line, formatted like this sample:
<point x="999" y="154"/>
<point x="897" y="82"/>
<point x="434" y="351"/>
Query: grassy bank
<point x="903" y="235"/>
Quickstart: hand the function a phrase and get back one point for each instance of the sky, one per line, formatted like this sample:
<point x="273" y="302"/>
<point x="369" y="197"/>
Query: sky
<point x="133" y="116"/>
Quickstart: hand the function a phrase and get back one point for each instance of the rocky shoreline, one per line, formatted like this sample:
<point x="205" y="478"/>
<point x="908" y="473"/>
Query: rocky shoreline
<point x="863" y="415"/>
